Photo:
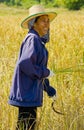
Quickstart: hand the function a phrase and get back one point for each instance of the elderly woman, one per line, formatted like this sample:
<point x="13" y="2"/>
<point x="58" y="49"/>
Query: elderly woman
<point x="31" y="72"/>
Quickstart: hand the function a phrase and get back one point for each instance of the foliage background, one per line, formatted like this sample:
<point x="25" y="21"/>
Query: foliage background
<point x="70" y="4"/>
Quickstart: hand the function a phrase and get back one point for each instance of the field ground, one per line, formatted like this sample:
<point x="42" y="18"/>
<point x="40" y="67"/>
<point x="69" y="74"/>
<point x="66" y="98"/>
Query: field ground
<point x="66" y="59"/>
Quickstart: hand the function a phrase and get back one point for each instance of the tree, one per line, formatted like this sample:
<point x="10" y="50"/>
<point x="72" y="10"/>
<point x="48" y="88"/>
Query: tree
<point x="2" y="0"/>
<point x="12" y="2"/>
<point x="73" y="4"/>
<point x="39" y="1"/>
<point x="46" y="1"/>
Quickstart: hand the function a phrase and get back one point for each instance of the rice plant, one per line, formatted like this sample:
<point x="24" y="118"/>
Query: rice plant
<point x="66" y="59"/>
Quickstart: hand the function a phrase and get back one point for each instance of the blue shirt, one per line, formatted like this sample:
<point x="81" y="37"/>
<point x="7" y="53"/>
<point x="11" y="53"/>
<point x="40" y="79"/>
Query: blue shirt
<point x="31" y="68"/>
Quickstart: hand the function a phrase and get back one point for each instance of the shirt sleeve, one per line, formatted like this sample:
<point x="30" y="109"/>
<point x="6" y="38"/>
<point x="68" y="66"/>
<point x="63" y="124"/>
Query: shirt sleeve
<point x="46" y="84"/>
<point x="28" y="60"/>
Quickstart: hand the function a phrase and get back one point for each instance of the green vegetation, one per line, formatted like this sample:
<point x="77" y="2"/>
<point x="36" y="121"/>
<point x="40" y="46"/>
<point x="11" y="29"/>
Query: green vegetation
<point x="70" y="4"/>
<point x="74" y="4"/>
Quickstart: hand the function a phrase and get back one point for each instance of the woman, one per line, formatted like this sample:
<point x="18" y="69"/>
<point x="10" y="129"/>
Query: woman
<point x="31" y="72"/>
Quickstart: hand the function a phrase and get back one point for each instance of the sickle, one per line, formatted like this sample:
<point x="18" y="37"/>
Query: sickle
<point x="58" y="112"/>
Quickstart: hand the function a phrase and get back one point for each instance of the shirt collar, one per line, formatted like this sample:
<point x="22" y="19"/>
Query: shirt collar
<point x="33" y="31"/>
<point x="43" y="40"/>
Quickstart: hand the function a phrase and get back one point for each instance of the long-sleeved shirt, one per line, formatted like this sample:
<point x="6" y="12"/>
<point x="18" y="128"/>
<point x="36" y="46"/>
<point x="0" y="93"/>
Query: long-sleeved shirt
<point x="31" y="68"/>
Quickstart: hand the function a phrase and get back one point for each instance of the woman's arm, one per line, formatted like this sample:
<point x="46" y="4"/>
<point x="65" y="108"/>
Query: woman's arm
<point x="28" y="60"/>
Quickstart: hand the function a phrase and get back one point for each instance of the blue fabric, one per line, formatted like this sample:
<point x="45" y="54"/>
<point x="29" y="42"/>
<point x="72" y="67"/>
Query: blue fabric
<point x="31" y="68"/>
<point x="31" y="23"/>
<point x="46" y="37"/>
<point x="49" y="89"/>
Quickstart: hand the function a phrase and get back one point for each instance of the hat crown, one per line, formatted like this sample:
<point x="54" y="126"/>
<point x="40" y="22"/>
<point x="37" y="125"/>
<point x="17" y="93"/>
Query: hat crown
<point x="36" y="9"/>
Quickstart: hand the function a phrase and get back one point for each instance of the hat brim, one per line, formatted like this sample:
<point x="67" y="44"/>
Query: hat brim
<point x="51" y="15"/>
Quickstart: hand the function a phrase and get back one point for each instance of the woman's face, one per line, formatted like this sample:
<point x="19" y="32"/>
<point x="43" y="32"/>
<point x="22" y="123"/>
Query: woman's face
<point x="42" y="25"/>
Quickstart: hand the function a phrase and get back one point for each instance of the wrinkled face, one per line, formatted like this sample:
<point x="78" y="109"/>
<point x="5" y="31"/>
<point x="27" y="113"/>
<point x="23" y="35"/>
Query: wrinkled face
<point x="42" y="25"/>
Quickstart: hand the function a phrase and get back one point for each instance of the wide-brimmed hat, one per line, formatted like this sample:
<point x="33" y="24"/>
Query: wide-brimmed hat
<point x="35" y="11"/>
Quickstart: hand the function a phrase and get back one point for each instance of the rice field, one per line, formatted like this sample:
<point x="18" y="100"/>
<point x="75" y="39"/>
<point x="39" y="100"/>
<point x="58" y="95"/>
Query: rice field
<point x="66" y="59"/>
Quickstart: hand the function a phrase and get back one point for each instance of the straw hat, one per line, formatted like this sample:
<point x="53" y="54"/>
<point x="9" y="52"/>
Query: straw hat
<point x="35" y="11"/>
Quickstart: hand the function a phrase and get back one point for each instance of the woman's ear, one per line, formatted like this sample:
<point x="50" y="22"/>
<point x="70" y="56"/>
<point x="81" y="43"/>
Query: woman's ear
<point x="34" y="25"/>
